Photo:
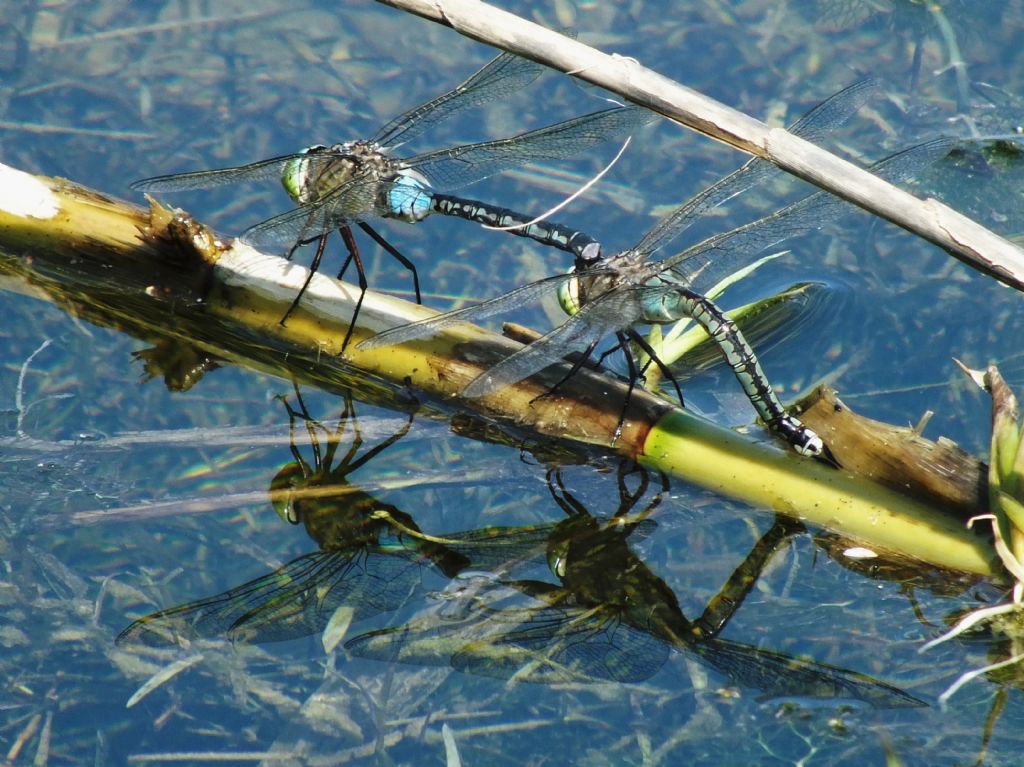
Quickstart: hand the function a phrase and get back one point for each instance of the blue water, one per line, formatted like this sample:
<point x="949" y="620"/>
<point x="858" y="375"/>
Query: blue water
<point x="111" y="92"/>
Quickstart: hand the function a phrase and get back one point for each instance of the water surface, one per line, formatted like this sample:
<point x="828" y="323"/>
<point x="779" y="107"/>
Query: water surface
<point x="116" y="91"/>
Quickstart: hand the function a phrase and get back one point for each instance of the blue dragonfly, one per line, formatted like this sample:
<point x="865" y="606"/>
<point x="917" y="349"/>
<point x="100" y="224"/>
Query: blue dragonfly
<point x="611" y="294"/>
<point x="342" y="185"/>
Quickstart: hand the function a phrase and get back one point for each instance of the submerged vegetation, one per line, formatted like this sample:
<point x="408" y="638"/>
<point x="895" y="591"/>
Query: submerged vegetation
<point x="211" y="570"/>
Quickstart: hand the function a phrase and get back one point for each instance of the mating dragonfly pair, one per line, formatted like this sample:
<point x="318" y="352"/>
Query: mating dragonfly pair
<point x="345" y="184"/>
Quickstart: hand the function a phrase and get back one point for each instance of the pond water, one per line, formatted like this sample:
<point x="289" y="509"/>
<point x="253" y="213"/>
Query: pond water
<point x="121" y="498"/>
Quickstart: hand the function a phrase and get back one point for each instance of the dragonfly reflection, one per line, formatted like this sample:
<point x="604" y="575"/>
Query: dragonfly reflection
<point x="608" y="618"/>
<point x="371" y="554"/>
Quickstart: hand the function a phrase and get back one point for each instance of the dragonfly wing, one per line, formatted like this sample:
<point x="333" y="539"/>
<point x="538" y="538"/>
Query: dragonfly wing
<point x="449" y="169"/>
<point x="209" y="179"/>
<point x="413" y="642"/>
<point x="443" y="630"/>
<point x="503" y="548"/>
<point x="415" y="330"/>
<point x="295" y="600"/>
<point x="718" y="256"/>
<point x="502" y="76"/>
<point x="213" y="616"/>
<point x="813" y="126"/>
<point x="283" y="231"/>
<point x="606" y="314"/>
<point x="821" y="120"/>
<point x="777" y="674"/>
<point x="368" y="581"/>
<point x="558" y="644"/>
<point x="290" y="605"/>
<point x="348" y="204"/>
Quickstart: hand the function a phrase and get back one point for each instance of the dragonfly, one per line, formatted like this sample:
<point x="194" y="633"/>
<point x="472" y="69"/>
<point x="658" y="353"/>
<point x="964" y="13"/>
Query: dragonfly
<point x="342" y="185"/>
<point x="608" y="618"/>
<point x="611" y="294"/>
<point x="371" y="555"/>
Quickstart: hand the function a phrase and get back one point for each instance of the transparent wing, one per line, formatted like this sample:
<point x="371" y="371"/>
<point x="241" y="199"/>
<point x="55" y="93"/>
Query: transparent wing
<point x="821" y="120"/>
<point x="503" y="303"/>
<point x="508" y="629"/>
<point x="501" y="77"/>
<point x="813" y="126"/>
<point x="367" y="195"/>
<point x="213" y="616"/>
<point x="296" y="600"/>
<point x="512" y="549"/>
<point x="475" y="608"/>
<point x="208" y="179"/>
<point x="607" y="314"/>
<point x="566" y="645"/>
<point x="779" y="674"/>
<point x="371" y="583"/>
<point x="502" y="548"/>
<point x="718" y="256"/>
<point x="449" y="169"/>
<point x="348" y="204"/>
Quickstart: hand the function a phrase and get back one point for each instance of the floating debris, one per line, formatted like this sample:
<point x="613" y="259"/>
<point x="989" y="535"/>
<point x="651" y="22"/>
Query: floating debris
<point x="165" y="674"/>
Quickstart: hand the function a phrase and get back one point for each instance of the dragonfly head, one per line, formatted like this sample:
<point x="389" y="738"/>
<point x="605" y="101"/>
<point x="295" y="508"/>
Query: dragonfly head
<point x="291" y="476"/>
<point x="295" y="177"/>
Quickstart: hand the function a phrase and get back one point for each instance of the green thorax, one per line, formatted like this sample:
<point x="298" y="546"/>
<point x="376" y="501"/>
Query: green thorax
<point x="320" y="169"/>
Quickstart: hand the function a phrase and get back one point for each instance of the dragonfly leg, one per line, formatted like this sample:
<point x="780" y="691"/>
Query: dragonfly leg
<point x="652" y="356"/>
<point x="378" y="449"/>
<point x="347" y="417"/>
<point x="320" y="246"/>
<point x="633" y="376"/>
<point x="304" y="240"/>
<point x="344" y="266"/>
<point x="578" y="363"/>
<point x="353" y="249"/>
<point x="393" y="251"/>
<point x="353" y="255"/>
<point x="636" y="374"/>
<point x="730" y="597"/>
<point x="629" y="498"/>
<point x="301" y="413"/>
<point x="566" y="502"/>
<point x="608" y="353"/>
<point x="291" y="251"/>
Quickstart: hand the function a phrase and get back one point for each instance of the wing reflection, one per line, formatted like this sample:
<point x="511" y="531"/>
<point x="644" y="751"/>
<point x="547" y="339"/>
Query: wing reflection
<point x="594" y="612"/>
<point x="372" y="554"/>
<point x="609" y="618"/>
